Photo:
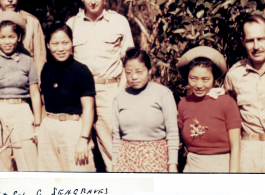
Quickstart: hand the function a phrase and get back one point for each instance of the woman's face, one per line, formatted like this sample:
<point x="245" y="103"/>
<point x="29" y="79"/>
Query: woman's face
<point x="8" y="40"/>
<point x="60" y="46"/>
<point x="200" y="80"/>
<point x="136" y="73"/>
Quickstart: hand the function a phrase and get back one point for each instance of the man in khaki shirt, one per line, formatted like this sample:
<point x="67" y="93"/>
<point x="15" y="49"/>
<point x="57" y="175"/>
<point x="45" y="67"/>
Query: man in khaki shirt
<point x="245" y="81"/>
<point x="100" y="39"/>
<point x="34" y="39"/>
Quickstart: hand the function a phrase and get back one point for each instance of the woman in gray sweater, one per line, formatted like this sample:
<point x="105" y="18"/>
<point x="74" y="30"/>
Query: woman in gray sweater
<point x="145" y="129"/>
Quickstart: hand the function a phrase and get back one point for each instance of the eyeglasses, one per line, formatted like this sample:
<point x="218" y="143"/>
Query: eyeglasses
<point x="131" y="73"/>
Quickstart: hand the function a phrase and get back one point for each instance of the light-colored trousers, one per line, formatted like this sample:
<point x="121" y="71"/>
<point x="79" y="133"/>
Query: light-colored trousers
<point x="252" y="159"/>
<point x="19" y="118"/>
<point x="56" y="146"/>
<point x="103" y="125"/>
<point x="216" y="163"/>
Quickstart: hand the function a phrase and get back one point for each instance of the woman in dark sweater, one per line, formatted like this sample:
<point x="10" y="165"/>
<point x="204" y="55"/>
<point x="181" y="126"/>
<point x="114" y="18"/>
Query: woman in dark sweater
<point x="209" y="119"/>
<point x="68" y="91"/>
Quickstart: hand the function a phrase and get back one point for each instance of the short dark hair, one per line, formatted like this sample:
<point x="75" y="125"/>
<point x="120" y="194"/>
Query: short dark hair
<point x="16" y="28"/>
<point x="55" y="27"/>
<point x="141" y="55"/>
<point x="251" y="19"/>
<point x="203" y="62"/>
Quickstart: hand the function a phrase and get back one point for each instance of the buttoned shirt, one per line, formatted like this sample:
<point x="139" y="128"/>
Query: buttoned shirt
<point x="101" y="44"/>
<point x="247" y="86"/>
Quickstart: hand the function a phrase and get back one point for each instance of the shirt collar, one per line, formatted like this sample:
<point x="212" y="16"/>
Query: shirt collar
<point x="250" y="68"/>
<point x="104" y="15"/>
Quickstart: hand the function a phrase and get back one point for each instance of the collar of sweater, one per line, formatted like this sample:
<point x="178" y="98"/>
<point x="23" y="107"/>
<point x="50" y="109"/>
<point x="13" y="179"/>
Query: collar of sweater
<point x="62" y="65"/>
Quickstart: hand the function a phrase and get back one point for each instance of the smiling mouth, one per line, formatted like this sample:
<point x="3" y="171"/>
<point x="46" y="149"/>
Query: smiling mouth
<point x="10" y="6"/>
<point x="61" y="55"/>
<point x="199" y="91"/>
<point x="8" y="48"/>
<point x="135" y="83"/>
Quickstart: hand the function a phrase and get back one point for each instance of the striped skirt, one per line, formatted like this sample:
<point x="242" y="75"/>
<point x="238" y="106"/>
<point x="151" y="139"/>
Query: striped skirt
<point x="142" y="156"/>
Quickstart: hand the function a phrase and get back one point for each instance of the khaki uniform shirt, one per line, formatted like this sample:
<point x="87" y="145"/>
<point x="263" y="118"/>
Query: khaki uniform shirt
<point x="34" y="40"/>
<point x="101" y="44"/>
<point x="247" y="86"/>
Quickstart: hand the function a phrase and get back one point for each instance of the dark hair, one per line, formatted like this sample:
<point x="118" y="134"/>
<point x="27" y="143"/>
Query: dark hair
<point x="16" y="28"/>
<point x="203" y="62"/>
<point x="252" y="19"/>
<point x="55" y="27"/>
<point x="141" y="55"/>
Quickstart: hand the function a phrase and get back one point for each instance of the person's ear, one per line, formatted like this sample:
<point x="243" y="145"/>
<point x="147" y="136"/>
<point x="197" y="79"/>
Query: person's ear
<point x="48" y="45"/>
<point x="150" y="71"/>
<point x="242" y="41"/>
<point x="19" y="38"/>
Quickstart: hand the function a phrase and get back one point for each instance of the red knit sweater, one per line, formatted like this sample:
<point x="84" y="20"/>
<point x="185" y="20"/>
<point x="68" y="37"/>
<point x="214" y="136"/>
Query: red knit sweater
<point x="204" y="123"/>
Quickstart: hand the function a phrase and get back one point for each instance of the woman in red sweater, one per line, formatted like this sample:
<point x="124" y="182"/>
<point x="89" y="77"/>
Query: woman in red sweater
<point x="209" y="119"/>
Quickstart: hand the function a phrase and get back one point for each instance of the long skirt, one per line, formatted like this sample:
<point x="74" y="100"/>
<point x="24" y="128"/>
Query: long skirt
<point x="216" y="163"/>
<point x="142" y="156"/>
<point x="19" y="119"/>
<point x="56" y="146"/>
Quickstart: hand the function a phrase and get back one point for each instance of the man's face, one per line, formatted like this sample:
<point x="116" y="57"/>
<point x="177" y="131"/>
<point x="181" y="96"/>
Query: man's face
<point x="8" y="5"/>
<point x="94" y="7"/>
<point x="254" y="42"/>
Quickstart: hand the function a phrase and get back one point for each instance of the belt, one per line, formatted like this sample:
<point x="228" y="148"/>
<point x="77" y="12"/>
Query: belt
<point x="13" y="101"/>
<point x="64" y="117"/>
<point x="104" y="80"/>
<point x="253" y="137"/>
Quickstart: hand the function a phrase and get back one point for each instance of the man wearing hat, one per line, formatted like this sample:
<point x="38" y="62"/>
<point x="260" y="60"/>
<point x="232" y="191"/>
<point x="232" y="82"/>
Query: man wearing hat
<point x="34" y="39"/>
<point x="245" y="82"/>
<point x="100" y="39"/>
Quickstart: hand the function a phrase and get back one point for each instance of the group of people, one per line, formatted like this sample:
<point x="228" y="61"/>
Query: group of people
<point x="92" y="76"/>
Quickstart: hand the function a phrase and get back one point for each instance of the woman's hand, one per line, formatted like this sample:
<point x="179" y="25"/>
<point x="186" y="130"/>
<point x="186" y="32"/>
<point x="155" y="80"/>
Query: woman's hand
<point x="36" y="131"/>
<point x="81" y="152"/>
<point x="114" y="168"/>
<point x="36" y="104"/>
<point x="81" y="149"/>
<point x="172" y="168"/>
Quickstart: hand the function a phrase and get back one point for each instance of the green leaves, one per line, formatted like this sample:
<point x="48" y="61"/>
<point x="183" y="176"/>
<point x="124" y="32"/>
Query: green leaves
<point x="176" y="11"/>
<point x="200" y="13"/>
<point x="181" y="30"/>
<point x="160" y="63"/>
<point x="243" y="2"/>
<point x="159" y="2"/>
<point x="208" y="5"/>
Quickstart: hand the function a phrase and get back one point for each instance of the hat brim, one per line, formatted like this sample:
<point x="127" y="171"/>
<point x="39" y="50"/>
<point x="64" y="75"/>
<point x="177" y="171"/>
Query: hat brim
<point x="13" y="17"/>
<point x="202" y="51"/>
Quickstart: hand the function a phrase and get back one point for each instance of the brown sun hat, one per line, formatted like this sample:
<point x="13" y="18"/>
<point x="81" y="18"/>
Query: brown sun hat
<point x="13" y="17"/>
<point x="202" y="51"/>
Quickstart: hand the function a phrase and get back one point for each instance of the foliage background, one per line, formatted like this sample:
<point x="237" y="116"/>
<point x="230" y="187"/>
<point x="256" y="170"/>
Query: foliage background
<point x="168" y="28"/>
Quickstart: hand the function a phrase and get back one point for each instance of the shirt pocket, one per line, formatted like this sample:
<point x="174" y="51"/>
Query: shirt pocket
<point x="112" y="43"/>
<point x="79" y="42"/>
